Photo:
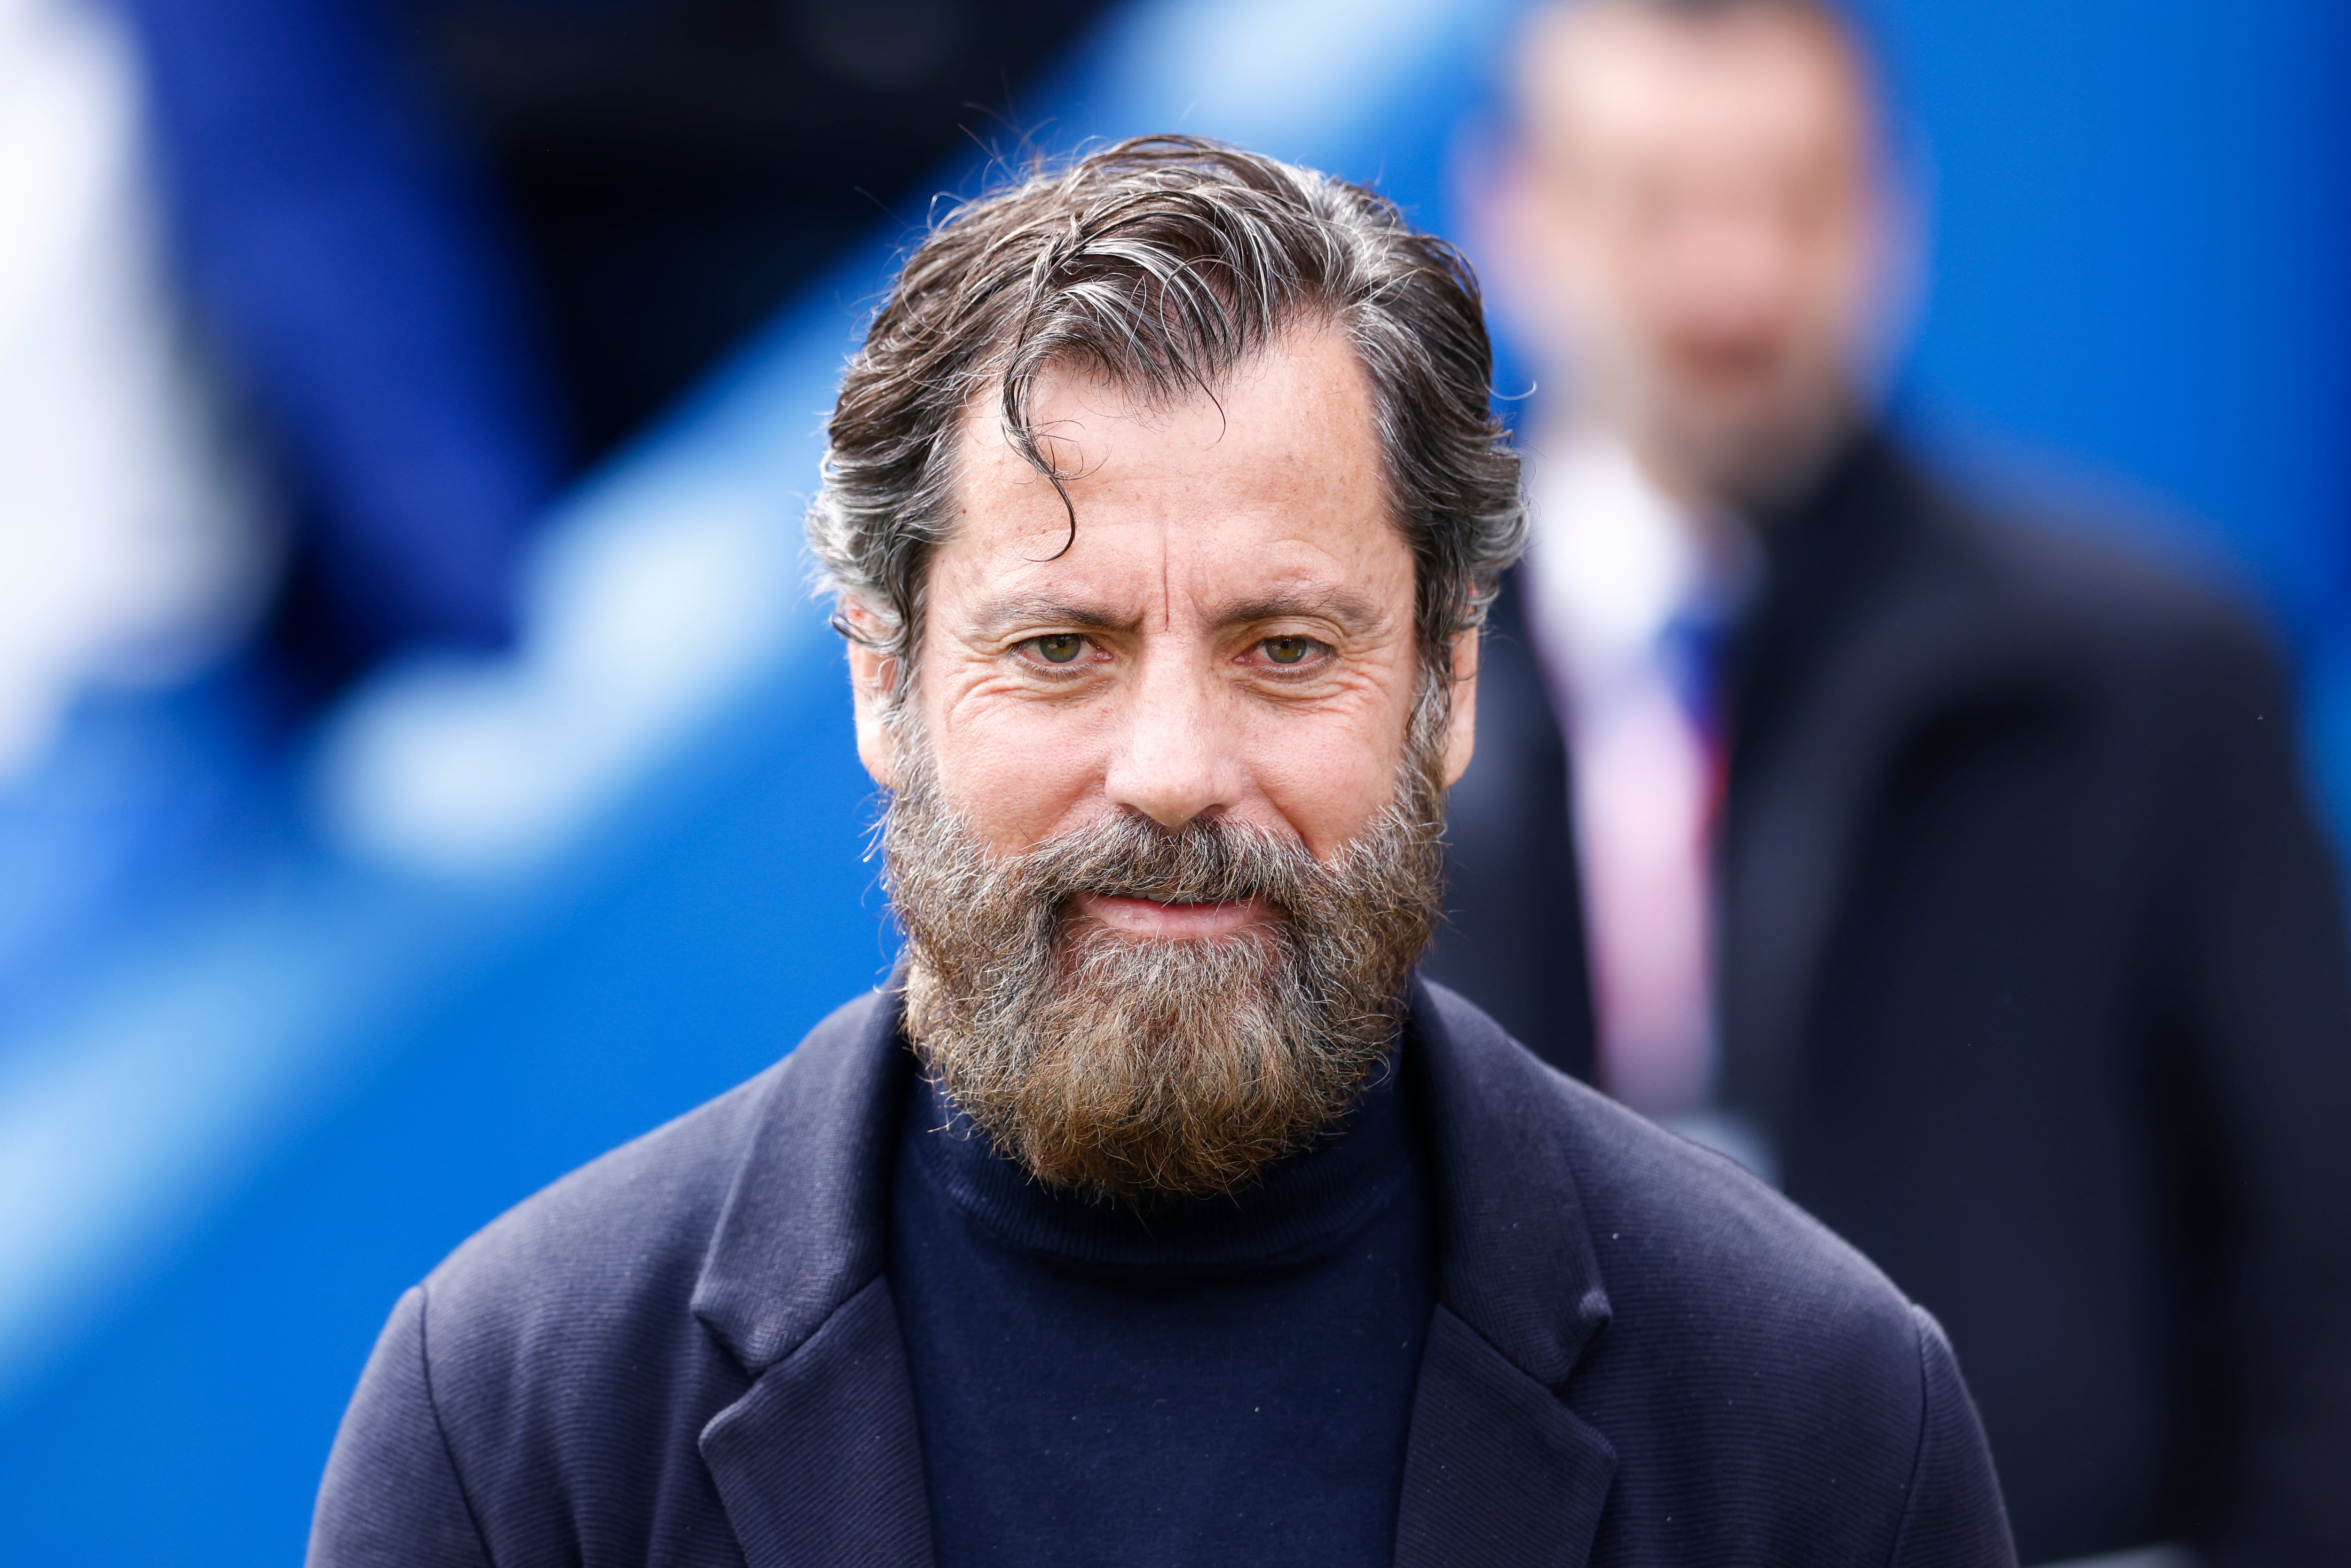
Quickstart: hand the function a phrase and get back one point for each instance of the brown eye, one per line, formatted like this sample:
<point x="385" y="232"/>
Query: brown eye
<point x="1061" y="648"/>
<point x="1288" y="649"/>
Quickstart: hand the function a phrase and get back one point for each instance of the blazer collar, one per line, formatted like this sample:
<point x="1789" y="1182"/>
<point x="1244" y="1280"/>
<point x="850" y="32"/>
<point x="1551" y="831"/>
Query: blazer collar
<point x="804" y="1228"/>
<point x="820" y="1461"/>
<point x="1499" y="1468"/>
<point x="1514" y="1259"/>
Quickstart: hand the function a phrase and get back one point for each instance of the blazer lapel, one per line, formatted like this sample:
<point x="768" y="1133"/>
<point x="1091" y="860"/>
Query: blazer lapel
<point x="1499" y="1468"/>
<point x="820" y="1463"/>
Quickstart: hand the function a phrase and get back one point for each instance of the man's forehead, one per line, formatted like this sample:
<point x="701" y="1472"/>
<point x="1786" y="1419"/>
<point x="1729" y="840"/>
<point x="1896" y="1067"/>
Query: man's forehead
<point x="1273" y="483"/>
<point x="1114" y="572"/>
<point x="1302" y="387"/>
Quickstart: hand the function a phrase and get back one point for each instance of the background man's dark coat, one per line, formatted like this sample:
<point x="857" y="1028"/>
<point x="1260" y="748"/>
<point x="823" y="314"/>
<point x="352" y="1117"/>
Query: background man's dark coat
<point x="2032" y="966"/>
<point x="686" y="1352"/>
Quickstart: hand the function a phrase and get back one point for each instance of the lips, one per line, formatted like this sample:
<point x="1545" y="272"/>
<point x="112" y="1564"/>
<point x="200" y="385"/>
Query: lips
<point x="1170" y="920"/>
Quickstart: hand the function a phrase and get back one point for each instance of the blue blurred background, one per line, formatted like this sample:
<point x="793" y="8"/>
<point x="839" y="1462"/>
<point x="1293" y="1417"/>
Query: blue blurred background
<point x="307" y="988"/>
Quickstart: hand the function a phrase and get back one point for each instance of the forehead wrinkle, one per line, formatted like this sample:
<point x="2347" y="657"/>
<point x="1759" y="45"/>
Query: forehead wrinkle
<point x="1167" y="579"/>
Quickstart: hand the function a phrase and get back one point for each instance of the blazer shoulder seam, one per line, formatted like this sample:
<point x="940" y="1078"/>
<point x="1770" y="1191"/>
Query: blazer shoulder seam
<point x="440" y="1428"/>
<point x="1918" y="1448"/>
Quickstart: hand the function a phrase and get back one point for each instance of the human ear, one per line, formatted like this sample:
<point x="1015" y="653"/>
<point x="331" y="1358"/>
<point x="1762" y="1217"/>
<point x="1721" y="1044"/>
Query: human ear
<point x="1461" y="726"/>
<point x="872" y="678"/>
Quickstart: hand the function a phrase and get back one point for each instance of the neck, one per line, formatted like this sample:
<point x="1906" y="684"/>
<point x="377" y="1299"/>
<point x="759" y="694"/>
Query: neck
<point x="1299" y="1205"/>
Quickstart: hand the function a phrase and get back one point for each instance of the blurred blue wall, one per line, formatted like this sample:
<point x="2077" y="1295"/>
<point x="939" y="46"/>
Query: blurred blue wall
<point x="2139" y="225"/>
<point x="364" y="1041"/>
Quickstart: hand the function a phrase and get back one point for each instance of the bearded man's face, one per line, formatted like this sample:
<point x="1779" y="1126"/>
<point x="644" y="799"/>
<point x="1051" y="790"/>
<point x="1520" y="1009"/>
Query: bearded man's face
<point x="1166" y="787"/>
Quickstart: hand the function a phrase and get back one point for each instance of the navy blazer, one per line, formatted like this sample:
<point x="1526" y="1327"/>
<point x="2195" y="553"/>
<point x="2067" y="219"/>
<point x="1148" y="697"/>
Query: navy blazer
<point x="685" y="1352"/>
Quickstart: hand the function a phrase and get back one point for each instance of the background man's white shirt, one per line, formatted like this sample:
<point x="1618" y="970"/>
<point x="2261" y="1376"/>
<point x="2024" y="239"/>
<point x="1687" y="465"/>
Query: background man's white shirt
<point x="1626" y="588"/>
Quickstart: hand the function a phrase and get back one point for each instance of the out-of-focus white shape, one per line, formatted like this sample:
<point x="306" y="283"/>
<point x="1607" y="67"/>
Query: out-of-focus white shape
<point x="1612" y="560"/>
<point x="126" y="550"/>
<point x="640" y="617"/>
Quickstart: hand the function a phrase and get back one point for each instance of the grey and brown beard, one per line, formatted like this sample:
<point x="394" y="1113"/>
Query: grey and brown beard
<point x="1122" y="1067"/>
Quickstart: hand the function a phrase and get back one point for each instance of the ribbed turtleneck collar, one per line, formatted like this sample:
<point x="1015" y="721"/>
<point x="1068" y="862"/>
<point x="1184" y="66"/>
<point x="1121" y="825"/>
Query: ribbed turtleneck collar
<point x="1304" y="1206"/>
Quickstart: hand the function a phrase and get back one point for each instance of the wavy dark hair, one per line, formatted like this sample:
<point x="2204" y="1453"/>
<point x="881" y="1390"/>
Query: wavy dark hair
<point x="1162" y="263"/>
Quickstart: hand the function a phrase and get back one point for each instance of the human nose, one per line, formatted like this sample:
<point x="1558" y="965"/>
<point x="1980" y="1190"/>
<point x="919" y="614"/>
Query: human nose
<point x="1732" y="264"/>
<point x="1175" y="760"/>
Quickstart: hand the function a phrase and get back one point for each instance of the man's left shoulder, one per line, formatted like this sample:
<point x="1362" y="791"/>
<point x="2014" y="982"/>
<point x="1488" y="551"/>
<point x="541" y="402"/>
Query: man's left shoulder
<point x="1697" y="1251"/>
<point x="1666" y="1217"/>
<point x="1754" y="1372"/>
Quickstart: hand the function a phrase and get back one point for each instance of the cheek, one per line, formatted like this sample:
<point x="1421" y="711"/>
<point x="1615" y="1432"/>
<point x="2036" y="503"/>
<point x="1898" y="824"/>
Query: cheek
<point x="1328" y="773"/>
<point x="1019" y="770"/>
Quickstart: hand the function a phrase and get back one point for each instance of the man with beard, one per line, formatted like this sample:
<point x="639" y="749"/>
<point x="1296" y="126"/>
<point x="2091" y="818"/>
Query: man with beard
<point x="1154" y="1213"/>
<point x="1958" y="872"/>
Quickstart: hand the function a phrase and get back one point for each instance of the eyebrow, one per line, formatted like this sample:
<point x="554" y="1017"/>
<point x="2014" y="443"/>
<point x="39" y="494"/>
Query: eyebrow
<point x="1352" y="611"/>
<point x="994" y="618"/>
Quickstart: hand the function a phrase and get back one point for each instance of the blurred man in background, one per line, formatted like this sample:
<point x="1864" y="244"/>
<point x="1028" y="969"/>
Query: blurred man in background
<point x="1959" y="876"/>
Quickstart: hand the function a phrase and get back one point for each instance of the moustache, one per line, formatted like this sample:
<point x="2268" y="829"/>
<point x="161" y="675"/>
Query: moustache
<point x="1206" y="861"/>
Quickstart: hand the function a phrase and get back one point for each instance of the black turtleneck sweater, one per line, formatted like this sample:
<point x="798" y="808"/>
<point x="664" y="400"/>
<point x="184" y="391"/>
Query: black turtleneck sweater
<point x="1226" y="1381"/>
